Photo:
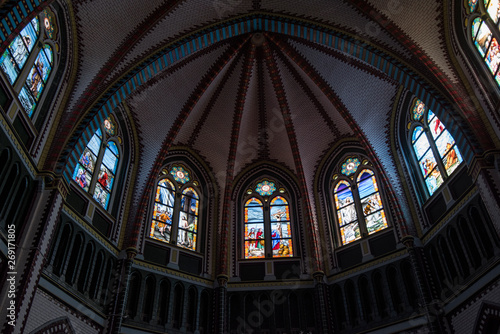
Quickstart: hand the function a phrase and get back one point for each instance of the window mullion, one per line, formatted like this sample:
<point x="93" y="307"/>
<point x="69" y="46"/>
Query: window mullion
<point x="267" y="230"/>
<point x="359" y="211"/>
<point x="175" y="217"/>
<point x="97" y="167"/>
<point x="437" y="156"/>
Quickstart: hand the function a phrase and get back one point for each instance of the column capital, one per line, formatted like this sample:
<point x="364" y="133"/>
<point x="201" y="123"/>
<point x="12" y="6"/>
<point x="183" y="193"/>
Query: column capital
<point x="131" y="253"/>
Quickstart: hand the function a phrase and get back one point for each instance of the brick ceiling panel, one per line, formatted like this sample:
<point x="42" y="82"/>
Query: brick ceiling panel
<point x="187" y="16"/>
<point x="213" y="139"/>
<point x="278" y="142"/>
<point x="337" y="13"/>
<point x="99" y="20"/>
<point x="423" y="22"/>
<point x="156" y="107"/>
<point x="368" y="99"/>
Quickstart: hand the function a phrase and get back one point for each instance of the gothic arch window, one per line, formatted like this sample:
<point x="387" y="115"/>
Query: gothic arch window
<point x="176" y="208"/>
<point x="96" y="170"/>
<point x="484" y="33"/>
<point x="358" y="202"/>
<point x="30" y="59"/>
<point x="433" y="147"/>
<point x="267" y="221"/>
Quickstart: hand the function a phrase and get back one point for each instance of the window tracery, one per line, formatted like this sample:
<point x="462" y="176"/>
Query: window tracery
<point x="175" y="217"/>
<point x="358" y="203"/>
<point x="97" y="167"/>
<point x="433" y="146"/>
<point x="267" y="222"/>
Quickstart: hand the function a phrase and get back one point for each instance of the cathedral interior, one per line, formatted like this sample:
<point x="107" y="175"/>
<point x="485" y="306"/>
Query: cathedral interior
<point x="237" y="166"/>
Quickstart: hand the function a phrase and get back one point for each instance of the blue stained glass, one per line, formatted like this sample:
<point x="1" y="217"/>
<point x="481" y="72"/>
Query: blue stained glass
<point x="95" y="143"/>
<point x="190" y="192"/>
<point x="421" y="145"/>
<point x="110" y="160"/>
<point x="278" y="200"/>
<point x="34" y="82"/>
<point x="253" y="202"/>
<point x="43" y="66"/>
<point x="113" y="148"/>
<point x="101" y="196"/>
<point x="366" y="187"/>
<point x="166" y="183"/>
<point x="19" y="51"/>
<point x="82" y="177"/>
<point x="165" y="196"/>
<point x="254" y="214"/>
<point x="99" y="133"/>
<point x="29" y="34"/>
<point x="482" y="36"/>
<point x="36" y="25"/>
<point x="473" y="5"/>
<point x="88" y="160"/>
<point x="493" y="9"/>
<point x="9" y="67"/>
<point x="279" y="213"/>
<point x="27" y="101"/>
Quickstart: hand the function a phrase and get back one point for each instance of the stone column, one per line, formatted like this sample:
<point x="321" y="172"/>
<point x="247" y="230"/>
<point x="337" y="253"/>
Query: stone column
<point x="325" y="324"/>
<point x="120" y="291"/>
<point x="30" y="250"/>
<point x="431" y="306"/>
<point x="220" y="310"/>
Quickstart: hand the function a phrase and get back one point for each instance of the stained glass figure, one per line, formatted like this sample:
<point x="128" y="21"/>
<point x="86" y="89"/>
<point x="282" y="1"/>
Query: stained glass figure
<point x="27" y="101"/>
<point x="254" y="229"/>
<point x="481" y="35"/>
<point x="49" y="23"/>
<point x="346" y="212"/>
<point x="85" y="167"/>
<point x="109" y="126"/>
<point x="371" y="203"/>
<point x="418" y="110"/>
<point x="180" y="174"/>
<point x="281" y="235"/>
<point x="107" y="172"/>
<point x="493" y="9"/>
<point x="163" y="212"/>
<point x="265" y="188"/>
<point x="350" y="166"/>
<point x="188" y="219"/>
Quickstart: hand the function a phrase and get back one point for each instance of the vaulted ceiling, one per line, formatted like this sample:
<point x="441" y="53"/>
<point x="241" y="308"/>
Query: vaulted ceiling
<point x="242" y="81"/>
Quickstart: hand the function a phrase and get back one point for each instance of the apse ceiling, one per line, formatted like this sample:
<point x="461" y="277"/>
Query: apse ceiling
<point x="281" y="81"/>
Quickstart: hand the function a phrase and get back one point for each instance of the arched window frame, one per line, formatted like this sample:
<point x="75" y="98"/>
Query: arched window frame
<point x="349" y="173"/>
<point x="486" y="50"/>
<point x="47" y="37"/>
<point x="425" y="173"/>
<point x="180" y="236"/>
<point x="273" y="247"/>
<point x="108" y="133"/>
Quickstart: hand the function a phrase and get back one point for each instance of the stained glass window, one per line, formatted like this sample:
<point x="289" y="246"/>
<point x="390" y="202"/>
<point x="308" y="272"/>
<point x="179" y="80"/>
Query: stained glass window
<point x="267" y="223"/>
<point x="434" y="147"/>
<point x="15" y="56"/>
<point x="483" y="21"/>
<point x="178" y="201"/>
<point x="96" y="169"/>
<point x="359" y="208"/>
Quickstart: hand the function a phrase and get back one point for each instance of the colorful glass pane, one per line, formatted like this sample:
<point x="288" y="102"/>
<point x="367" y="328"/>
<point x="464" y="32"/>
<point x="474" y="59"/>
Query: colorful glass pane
<point x="472" y="5"/>
<point x="49" y="23"/>
<point x="343" y="194"/>
<point x="493" y="9"/>
<point x="452" y="160"/>
<point x="27" y="101"/>
<point x="95" y="143"/>
<point x="166" y="183"/>
<point x="366" y="183"/>
<point x="180" y="174"/>
<point x="371" y="204"/>
<point x="88" y="160"/>
<point x="282" y="248"/>
<point x="254" y="214"/>
<point x="109" y="126"/>
<point x="19" y="51"/>
<point x="188" y="226"/>
<point x="420" y="142"/>
<point x="254" y="241"/>
<point x="105" y="178"/>
<point x="350" y="166"/>
<point x="427" y="163"/>
<point x="164" y="195"/>
<point x="435" y="125"/>
<point x="347" y="215"/>
<point x="418" y="110"/>
<point x="110" y="160"/>
<point x="350" y="233"/>
<point x="160" y="231"/>
<point x="444" y="143"/>
<point x="34" y="82"/>
<point x="493" y="56"/>
<point x="101" y="196"/>
<point x="434" y="180"/>
<point x="481" y="35"/>
<point x="265" y="188"/>
<point x="376" y="222"/>
<point x="9" y="67"/>
<point x="82" y="177"/>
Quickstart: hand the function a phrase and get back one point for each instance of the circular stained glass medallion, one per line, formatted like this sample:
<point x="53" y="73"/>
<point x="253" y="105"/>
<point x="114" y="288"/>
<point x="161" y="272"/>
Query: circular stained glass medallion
<point x="265" y="188"/>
